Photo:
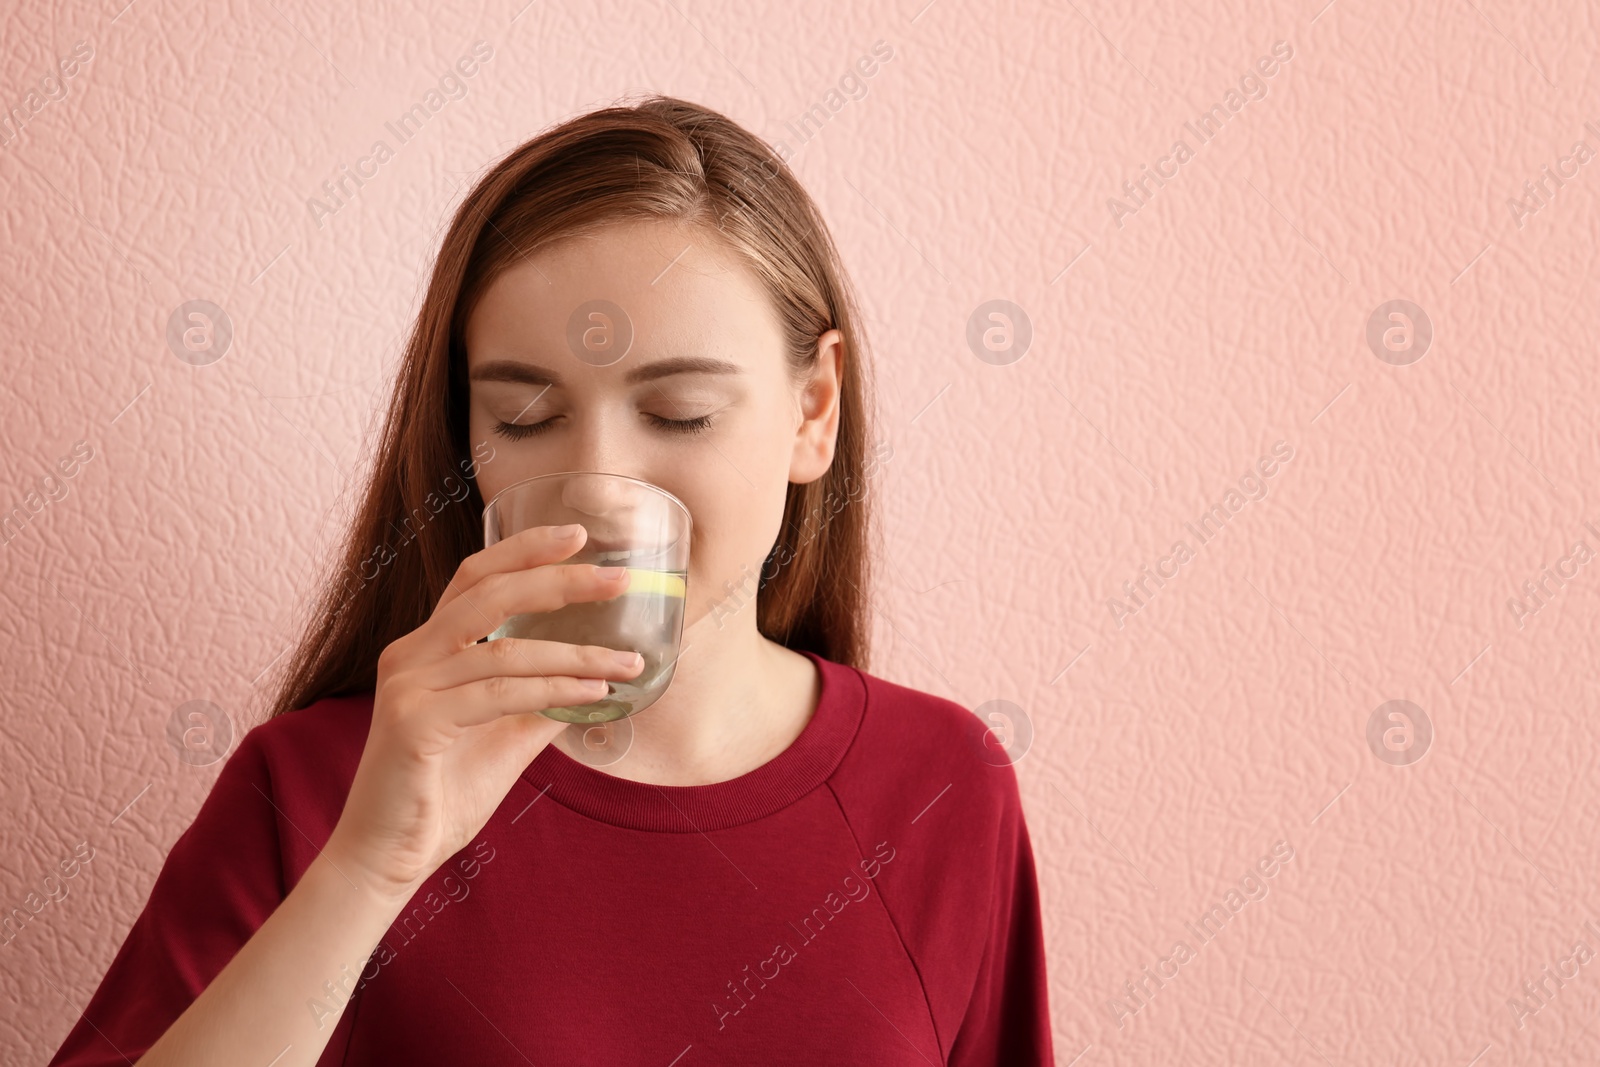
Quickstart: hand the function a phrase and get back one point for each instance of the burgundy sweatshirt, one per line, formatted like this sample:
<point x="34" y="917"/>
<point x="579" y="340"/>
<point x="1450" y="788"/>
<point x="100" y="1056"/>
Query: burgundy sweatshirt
<point x="867" y="896"/>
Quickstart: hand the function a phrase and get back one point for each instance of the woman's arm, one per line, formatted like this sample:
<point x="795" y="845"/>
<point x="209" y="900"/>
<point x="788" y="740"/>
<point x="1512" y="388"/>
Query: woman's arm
<point x="268" y="1005"/>
<point x="453" y="724"/>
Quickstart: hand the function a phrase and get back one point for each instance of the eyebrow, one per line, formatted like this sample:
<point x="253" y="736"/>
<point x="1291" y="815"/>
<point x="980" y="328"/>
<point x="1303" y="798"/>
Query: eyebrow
<point x="512" y="370"/>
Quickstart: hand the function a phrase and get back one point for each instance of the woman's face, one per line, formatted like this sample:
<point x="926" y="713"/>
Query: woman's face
<point x="701" y="404"/>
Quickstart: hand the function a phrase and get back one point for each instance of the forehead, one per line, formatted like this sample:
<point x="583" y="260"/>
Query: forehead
<point x="679" y="289"/>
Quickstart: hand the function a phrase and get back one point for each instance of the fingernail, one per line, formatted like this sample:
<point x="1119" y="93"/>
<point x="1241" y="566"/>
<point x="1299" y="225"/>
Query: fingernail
<point x="626" y="659"/>
<point x="610" y="572"/>
<point x="564" y="532"/>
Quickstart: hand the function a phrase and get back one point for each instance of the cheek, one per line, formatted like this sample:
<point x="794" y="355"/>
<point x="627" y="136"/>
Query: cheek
<point x="496" y="474"/>
<point x="728" y="545"/>
<point x="489" y="477"/>
<point x="509" y="462"/>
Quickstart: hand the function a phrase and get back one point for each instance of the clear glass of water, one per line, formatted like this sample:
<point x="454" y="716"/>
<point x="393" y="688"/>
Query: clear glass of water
<point x="631" y="524"/>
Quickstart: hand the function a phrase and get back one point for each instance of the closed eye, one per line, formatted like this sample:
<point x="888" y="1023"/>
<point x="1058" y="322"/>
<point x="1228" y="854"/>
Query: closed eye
<point x="517" y="431"/>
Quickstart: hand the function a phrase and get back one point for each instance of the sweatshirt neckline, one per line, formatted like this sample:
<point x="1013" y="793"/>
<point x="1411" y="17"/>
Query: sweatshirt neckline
<point x="788" y="776"/>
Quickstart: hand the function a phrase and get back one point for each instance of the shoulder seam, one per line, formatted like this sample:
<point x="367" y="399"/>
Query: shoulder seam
<point x="983" y="958"/>
<point x="894" y="925"/>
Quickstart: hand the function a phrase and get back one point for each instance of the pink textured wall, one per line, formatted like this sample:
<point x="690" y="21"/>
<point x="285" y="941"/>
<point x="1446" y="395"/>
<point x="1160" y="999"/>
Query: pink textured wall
<point x="1175" y="336"/>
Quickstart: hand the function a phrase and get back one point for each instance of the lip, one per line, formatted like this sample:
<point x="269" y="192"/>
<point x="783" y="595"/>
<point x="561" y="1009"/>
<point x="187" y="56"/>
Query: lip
<point x="636" y="554"/>
<point x="604" y="544"/>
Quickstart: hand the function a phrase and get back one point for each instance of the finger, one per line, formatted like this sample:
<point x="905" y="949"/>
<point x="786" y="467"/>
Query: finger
<point x="496" y="597"/>
<point x="529" y="658"/>
<point x="489" y="699"/>
<point x="533" y="547"/>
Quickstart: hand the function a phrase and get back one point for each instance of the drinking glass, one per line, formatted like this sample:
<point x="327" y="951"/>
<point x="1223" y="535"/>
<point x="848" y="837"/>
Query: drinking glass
<point x="630" y="523"/>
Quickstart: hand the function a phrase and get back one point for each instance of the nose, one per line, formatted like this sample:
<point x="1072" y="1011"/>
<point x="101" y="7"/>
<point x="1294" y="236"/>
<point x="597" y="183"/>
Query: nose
<point x="599" y="443"/>
<point x="602" y="493"/>
<point x="600" y="497"/>
<point x="620" y="513"/>
<point x="595" y="493"/>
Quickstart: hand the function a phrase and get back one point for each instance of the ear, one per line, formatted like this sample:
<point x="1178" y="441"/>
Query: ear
<point x="815" y="437"/>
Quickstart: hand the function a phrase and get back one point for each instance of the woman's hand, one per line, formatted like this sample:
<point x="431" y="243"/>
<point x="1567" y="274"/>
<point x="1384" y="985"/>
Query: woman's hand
<point x="454" y="721"/>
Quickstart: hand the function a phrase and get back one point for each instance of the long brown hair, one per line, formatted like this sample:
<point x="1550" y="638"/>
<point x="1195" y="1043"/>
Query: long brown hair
<point x="663" y="158"/>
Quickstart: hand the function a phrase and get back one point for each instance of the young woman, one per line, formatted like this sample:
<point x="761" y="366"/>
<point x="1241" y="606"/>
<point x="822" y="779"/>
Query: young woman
<point x="794" y="861"/>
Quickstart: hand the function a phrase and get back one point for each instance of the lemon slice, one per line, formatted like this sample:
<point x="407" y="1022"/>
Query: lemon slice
<point x="659" y="583"/>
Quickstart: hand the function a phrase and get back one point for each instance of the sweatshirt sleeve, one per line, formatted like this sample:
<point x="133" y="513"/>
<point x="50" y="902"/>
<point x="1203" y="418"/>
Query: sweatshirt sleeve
<point x="222" y="878"/>
<point x="1007" y="1021"/>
